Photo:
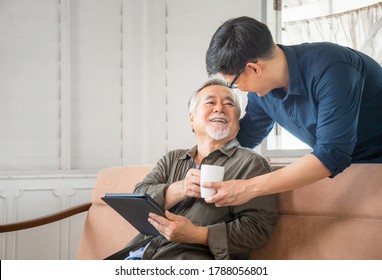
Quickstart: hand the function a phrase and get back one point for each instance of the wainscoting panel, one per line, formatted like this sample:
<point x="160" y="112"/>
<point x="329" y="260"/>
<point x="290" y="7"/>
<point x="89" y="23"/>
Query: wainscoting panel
<point x="29" y="196"/>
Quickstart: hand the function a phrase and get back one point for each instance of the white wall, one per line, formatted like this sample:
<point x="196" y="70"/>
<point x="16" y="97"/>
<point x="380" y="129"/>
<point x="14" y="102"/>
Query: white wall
<point x="29" y="85"/>
<point x="88" y="84"/>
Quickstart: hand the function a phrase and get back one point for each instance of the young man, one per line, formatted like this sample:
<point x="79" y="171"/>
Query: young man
<point x="194" y="229"/>
<point x="328" y="96"/>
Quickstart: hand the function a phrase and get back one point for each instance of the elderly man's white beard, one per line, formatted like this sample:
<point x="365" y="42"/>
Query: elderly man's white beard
<point x="218" y="133"/>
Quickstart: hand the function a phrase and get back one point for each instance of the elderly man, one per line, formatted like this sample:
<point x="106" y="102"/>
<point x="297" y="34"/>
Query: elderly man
<point x="194" y="229"/>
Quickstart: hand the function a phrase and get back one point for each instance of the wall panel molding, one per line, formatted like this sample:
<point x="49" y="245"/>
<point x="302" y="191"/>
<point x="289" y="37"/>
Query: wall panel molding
<point x="28" y="197"/>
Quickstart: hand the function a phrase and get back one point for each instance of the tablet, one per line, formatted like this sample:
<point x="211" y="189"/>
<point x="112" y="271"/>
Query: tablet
<point x="135" y="208"/>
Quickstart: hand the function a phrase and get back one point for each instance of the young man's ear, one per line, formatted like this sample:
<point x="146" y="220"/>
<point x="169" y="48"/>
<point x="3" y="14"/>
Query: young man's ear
<point x="255" y="68"/>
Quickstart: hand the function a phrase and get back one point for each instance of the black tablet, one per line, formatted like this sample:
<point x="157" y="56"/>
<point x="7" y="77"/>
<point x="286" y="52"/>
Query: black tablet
<point x="135" y="208"/>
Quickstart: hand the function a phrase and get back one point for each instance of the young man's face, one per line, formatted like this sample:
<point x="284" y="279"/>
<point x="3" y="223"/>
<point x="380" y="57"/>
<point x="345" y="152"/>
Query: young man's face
<point x="216" y="115"/>
<point x="251" y="79"/>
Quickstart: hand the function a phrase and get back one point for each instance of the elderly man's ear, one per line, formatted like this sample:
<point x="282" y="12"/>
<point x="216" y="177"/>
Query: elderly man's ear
<point x="191" y="118"/>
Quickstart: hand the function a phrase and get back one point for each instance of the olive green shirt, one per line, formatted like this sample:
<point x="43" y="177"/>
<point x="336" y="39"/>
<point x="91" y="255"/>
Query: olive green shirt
<point x="233" y="231"/>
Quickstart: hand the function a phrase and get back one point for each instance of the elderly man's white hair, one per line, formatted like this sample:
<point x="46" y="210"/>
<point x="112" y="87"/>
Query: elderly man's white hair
<point x="193" y="98"/>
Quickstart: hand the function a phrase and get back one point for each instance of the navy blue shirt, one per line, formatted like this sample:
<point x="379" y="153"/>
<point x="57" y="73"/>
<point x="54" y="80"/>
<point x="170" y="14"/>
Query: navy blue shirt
<point x="333" y="104"/>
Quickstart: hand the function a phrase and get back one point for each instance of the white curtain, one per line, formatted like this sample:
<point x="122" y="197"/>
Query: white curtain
<point x="359" y="29"/>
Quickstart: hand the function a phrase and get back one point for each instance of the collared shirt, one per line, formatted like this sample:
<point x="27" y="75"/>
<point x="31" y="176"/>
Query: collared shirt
<point x="333" y="104"/>
<point x="233" y="231"/>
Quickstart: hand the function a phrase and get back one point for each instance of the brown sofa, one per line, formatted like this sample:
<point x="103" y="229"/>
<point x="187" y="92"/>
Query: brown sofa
<point x="338" y="218"/>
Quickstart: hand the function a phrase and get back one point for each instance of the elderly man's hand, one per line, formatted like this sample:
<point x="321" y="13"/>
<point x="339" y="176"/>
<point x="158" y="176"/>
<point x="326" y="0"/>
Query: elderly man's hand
<point x="177" y="228"/>
<point x="191" y="184"/>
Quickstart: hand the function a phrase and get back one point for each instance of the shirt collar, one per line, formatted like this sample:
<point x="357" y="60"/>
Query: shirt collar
<point x="295" y="82"/>
<point x="228" y="149"/>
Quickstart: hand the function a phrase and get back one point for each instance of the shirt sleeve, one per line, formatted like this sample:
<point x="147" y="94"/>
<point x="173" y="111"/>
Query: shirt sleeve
<point x="255" y="125"/>
<point x="155" y="183"/>
<point x="339" y="94"/>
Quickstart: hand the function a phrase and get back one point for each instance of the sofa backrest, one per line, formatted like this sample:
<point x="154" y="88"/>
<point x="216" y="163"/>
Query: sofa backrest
<point x="339" y="218"/>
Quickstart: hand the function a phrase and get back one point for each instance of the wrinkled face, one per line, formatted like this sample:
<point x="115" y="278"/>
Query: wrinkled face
<point x="215" y="115"/>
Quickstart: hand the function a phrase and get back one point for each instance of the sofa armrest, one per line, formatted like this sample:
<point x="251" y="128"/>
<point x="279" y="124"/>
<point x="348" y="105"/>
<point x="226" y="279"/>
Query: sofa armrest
<point x="45" y="219"/>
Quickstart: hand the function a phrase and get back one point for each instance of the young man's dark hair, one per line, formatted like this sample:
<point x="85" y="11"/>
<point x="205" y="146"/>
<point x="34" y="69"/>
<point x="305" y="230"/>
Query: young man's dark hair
<point x="236" y="42"/>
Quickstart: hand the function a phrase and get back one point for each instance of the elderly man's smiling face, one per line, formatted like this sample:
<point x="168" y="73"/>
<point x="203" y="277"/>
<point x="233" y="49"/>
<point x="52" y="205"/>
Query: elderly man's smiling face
<point x="216" y="115"/>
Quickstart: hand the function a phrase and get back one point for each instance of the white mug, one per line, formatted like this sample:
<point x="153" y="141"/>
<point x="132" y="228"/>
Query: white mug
<point x="210" y="173"/>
